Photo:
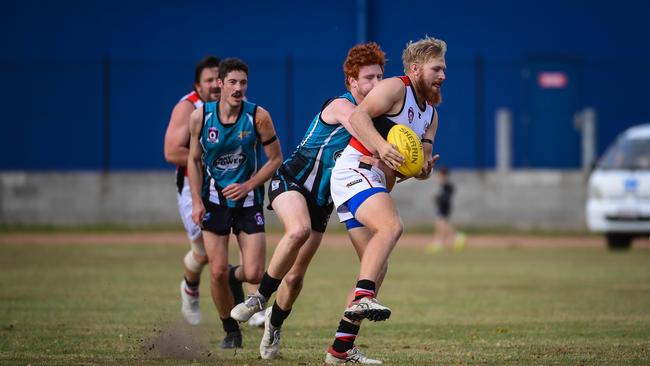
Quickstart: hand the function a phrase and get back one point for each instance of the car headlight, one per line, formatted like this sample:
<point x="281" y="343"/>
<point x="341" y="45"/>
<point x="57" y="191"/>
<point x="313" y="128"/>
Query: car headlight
<point x="595" y="192"/>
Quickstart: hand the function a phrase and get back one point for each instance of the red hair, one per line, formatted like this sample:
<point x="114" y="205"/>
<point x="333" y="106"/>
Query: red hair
<point x="362" y="55"/>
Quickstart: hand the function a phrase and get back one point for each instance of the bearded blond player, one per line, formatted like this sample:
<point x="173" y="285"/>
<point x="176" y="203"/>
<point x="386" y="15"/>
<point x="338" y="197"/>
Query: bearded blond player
<point x="360" y="191"/>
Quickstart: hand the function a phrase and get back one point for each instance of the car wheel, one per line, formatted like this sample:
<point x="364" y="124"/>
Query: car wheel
<point x="619" y="241"/>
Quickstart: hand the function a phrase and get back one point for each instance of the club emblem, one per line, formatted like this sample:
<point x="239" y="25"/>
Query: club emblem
<point x="213" y="135"/>
<point x="411" y="114"/>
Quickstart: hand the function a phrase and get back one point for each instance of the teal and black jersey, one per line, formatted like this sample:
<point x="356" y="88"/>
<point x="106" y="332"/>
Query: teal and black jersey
<point x="231" y="154"/>
<point x="311" y="163"/>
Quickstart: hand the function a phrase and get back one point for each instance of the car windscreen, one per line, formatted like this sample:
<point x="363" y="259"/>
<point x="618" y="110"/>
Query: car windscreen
<point x="627" y="153"/>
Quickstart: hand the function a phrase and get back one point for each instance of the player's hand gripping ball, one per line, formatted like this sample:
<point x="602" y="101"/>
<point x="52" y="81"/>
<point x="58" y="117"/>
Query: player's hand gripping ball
<point x="409" y="145"/>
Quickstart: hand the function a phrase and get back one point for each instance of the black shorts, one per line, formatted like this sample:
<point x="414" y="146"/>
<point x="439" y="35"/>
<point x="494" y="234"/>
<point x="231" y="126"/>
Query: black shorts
<point x="221" y="219"/>
<point x="443" y="211"/>
<point x="319" y="215"/>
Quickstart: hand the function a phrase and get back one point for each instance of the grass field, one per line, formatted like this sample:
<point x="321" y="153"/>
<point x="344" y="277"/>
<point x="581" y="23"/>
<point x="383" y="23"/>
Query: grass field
<point x="118" y="304"/>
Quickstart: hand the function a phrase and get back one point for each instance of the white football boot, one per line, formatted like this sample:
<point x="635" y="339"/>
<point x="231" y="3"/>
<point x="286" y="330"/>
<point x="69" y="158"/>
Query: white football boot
<point x="190" y="304"/>
<point x="353" y="355"/>
<point x="253" y="304"/>
<point x="270" y="345"/>
<point x="367" y="308"/>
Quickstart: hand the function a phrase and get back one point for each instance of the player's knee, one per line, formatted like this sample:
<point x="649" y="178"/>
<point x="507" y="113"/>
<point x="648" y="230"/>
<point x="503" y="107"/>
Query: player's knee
<point x="192" y="263"/>
<point x="298" y="235"/>
<point x="198" y="248"/>
<point x="253" y="274"/>
<point x="294" y="281"/>
<point x="219" y="274"/>
<point x="392" y="229"/>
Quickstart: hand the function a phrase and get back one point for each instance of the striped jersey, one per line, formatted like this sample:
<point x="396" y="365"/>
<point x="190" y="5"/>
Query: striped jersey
<point x="231" y="154"/>
<point x="312" y="161"/>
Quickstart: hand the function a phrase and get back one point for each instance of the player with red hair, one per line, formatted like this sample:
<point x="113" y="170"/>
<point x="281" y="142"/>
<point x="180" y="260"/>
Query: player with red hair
<point x="300" y="196"/>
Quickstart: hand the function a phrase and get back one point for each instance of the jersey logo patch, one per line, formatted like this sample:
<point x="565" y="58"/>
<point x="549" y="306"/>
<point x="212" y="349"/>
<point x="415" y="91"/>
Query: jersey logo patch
<point x="275" y="184"/>
<point x="356" y="181"/>
<point x="259" y="219"/>
<point x="213" y="135"/>
<point x="244" y="134"/>
<point x="230" y="161"/>
<point x="411" y="114"/>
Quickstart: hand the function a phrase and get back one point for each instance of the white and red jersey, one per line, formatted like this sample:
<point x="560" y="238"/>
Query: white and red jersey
<point x="181" y="171"/>
<point x="193" y="98"/>
<point x="349" y="177"/>
<point x="411" y="115"/>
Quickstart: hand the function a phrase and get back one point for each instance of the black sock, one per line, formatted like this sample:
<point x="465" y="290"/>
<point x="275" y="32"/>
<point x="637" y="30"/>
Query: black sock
<point x="235" y="285"/>
<point x="345" y="336"/>
<point x="268" y="285"/>
<point x="230" y="325"/>
<point x="194" y="286"/>
<point x="278" y="315"/>
<point x="365" y="288"/>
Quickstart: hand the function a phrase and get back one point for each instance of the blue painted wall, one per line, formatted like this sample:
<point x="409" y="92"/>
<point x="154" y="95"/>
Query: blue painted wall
<point x="54" y="57"/>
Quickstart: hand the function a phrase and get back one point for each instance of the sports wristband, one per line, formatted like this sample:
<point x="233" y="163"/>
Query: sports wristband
<point x="427" y="141"/>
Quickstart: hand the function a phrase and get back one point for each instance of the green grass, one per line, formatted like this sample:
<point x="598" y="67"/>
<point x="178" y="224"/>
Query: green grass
<point x="118" y="305"/>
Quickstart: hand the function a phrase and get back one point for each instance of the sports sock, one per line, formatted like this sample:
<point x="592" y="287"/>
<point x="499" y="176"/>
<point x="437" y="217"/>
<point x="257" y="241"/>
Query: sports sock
<point x="365" y="288"/>
<point x="230" y="325"/>
<point x="345" y="336"/>
<point x="268" y="285"/>
<point x="235" y="285"/>
<point x="278" y="315"/>
<point x="192" y="286"/>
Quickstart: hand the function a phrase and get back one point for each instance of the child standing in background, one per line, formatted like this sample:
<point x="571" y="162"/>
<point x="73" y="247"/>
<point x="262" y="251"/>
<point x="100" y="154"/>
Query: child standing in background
<point x="445" y="234"/>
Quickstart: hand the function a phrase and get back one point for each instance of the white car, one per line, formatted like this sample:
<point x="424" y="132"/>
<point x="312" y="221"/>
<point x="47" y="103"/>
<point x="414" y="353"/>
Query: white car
<point x="619" y="189"/>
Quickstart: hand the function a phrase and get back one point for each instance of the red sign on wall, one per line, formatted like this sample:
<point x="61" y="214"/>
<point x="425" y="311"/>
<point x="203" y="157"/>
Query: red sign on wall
<point x="552" y="80"/>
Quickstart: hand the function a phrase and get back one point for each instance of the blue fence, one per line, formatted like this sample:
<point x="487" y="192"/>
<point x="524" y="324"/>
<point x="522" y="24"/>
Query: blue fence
<point x="90" y="88"/>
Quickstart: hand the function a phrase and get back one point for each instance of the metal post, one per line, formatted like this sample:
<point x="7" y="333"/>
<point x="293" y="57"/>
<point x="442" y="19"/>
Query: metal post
<point x="588" y="124"/>
<point x="503" y="150"/>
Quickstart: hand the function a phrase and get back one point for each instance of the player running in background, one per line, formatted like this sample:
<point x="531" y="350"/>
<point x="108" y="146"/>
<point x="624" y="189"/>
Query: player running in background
<point x="360" y="191"/>
<point x="227" y="184"/>
<point x="177" y="148"/>
<point x="300" y="195"/>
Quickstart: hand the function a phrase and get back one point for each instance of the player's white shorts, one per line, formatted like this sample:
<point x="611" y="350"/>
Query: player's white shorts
<point x="350" y="177"/>
<point x="185" y="209"/>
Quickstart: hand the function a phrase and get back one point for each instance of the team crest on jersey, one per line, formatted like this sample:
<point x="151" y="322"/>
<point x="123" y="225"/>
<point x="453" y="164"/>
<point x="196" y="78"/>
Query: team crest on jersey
<point x="259" y="219"/>
<point x="411" y="114"/>
<point x="230" y="161"/>
<point x="213" y="135"/>
<point x="275" y="184"/>
<point x="244" y="134"/>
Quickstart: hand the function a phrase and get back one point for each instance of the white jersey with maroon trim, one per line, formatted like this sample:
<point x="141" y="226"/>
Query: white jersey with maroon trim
<point x="349" y="178"/>
<point x="193" y="98"/>
<point x="411" y="114"/>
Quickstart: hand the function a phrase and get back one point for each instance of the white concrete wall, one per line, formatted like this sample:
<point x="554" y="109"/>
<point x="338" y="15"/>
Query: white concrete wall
<point x="518" y="199"/>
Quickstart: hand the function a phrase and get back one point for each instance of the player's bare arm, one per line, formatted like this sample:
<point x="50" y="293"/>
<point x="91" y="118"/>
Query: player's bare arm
<point x="273" y="151"/>
<point x="177" y="135"/>
<point x="385" y="98"/>
<point x="195" y="166"/>
<point x="339" y="111"/>
<point x="427" y="145"/>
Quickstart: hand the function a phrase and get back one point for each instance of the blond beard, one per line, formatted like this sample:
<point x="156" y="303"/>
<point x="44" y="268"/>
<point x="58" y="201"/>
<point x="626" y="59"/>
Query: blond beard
<point x="433" y="98"/>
